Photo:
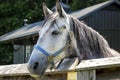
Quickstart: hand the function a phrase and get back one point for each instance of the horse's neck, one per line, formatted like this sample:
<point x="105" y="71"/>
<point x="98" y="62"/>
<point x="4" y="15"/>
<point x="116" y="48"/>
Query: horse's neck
<point x="89" y="42"/>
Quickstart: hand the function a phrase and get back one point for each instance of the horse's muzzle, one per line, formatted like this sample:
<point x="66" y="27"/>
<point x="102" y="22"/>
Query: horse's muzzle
<point x="37" y="64"/>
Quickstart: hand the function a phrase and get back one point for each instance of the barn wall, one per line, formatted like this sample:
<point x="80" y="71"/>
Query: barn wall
<point x="18" y="54"/>
<point x="23" y="49"/>
<point x="22" y="53"/>
<point x="107" y="23"/>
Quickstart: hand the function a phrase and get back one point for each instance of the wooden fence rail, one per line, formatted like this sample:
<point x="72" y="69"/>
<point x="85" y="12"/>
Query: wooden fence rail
<point x="94" y="69"/>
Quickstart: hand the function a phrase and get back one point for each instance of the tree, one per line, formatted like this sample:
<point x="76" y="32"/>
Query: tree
<point x="12" y="14"/>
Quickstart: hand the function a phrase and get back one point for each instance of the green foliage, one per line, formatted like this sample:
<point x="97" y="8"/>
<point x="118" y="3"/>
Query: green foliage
<point x="6" y="54"/>
<point x="13" y="12"/>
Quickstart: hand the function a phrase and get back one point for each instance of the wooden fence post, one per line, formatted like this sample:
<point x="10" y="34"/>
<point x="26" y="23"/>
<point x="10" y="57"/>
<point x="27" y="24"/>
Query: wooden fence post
<point x="72" y="75"/>
<point x="82" y="75"/>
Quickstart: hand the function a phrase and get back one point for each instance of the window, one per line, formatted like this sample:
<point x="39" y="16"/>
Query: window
<point x="28" y="51"/>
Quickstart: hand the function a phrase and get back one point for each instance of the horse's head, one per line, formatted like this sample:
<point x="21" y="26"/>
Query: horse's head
<point x="53" y="38"/>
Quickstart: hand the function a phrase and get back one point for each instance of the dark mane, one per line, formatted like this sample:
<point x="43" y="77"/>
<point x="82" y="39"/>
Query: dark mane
<point x="89" y="42"/>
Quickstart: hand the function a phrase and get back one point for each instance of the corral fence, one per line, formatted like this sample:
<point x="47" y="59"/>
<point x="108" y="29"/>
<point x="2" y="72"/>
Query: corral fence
<point x="94" y="69"/>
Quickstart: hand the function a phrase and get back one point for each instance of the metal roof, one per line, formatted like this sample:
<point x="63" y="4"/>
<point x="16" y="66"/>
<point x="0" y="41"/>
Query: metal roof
<point x="89" y="10"/>
<point x="22" y="32"/>
<point x="34" y="28"/>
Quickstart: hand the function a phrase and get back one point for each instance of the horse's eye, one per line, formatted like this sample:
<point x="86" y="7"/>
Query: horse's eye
<point x="55" y="32"/>
<point x="64" y="27"/>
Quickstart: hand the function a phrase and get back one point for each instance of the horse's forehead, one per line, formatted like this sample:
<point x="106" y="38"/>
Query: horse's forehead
<point x="56" y="22"/>
<point x="52" y="22"/>
<point x="60" y="22"/>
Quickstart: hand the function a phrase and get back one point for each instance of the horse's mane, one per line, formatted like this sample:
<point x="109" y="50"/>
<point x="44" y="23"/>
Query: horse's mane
<point x="89" y="42"/>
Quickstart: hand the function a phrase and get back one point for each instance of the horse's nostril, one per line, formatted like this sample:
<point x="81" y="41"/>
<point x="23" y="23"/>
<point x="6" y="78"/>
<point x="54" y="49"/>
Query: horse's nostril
<point x="35" y="66"/>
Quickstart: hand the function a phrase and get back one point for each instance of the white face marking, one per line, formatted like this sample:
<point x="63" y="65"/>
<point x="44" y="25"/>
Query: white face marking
<point x="53" y="42"/>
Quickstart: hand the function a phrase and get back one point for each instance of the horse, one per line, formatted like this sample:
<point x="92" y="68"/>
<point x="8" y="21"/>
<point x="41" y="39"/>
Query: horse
<point x="64" y="36"/>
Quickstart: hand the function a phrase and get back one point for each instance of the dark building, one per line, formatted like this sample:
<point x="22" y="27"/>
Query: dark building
<point x="103" y="17"/>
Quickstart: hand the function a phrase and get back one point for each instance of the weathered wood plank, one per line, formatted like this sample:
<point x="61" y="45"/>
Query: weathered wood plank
<point x="13" y="70"/>
<point x="113" y="75"/>
<point x="61" y="76"/>
<point x="17" y="78"/>
<point x="82" y="75"/>
<point x="99" y="63"/>
<point x="86" y="75"/>
<point x="21" y="69"/>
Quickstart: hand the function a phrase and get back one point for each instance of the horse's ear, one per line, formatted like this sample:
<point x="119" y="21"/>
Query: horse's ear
<point x="60" y="9"/>
<point x="47" y="12"/>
